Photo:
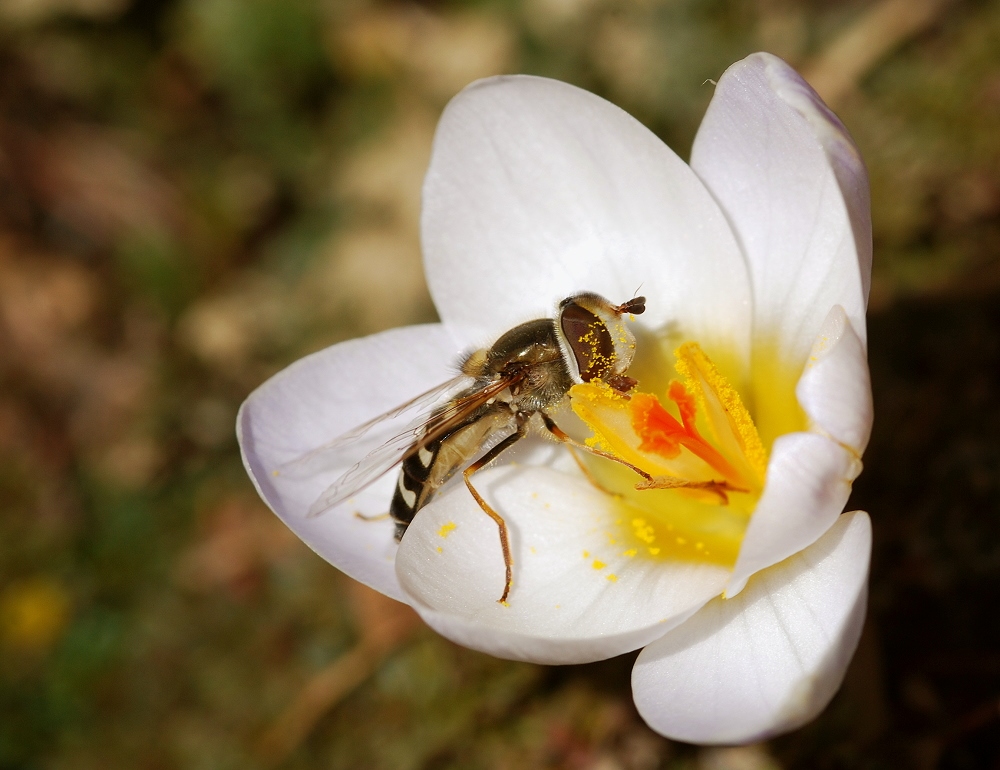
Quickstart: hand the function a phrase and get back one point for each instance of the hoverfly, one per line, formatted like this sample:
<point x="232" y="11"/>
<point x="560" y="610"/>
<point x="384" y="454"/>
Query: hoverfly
<point x="515" y="384"/>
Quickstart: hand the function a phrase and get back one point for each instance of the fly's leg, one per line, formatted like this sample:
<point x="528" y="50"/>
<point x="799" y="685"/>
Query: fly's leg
<point x="483" y="461"/>
<point x="649" y="482"/>
<point x="572" y="443"/>
<point x="375" y="517"/>
<point x="586" y="471"/>
<point x="719" y="488"/>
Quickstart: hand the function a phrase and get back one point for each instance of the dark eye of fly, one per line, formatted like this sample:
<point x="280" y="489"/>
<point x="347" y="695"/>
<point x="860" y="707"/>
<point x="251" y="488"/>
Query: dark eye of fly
<point x="590" y="340"/>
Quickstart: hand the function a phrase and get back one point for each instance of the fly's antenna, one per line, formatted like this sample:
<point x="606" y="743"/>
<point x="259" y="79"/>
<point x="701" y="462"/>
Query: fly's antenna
<point x="635" y="306"/>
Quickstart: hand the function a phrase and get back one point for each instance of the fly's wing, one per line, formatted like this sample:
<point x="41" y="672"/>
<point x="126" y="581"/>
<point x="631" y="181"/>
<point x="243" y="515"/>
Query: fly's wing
<point x="380" y="455"/>
<point x="373" y="441"/>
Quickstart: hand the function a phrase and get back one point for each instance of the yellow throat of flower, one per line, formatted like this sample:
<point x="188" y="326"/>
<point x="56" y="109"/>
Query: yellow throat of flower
<point x="701" y="449"/>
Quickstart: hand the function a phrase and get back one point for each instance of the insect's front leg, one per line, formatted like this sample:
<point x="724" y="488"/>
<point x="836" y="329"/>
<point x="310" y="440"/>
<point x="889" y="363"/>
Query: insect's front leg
<point x="521" y="421"/>
<point x="719" y="488"/>
<point x="564" y="437"/>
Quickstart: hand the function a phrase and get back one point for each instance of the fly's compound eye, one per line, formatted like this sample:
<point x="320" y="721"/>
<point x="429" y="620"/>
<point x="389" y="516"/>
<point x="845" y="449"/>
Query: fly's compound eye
<point x="593" y="332"/>
<point x="589" y="340"/>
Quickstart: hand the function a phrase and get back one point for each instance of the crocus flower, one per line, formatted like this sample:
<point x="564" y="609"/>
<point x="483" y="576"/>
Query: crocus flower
<point x="748" y="597"/>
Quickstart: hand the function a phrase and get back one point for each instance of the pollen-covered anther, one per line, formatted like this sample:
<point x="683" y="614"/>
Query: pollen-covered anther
<point x="706" y="444"/>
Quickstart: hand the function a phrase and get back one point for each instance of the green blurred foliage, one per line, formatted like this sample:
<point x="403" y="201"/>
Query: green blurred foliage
<point x="193" y="193"/>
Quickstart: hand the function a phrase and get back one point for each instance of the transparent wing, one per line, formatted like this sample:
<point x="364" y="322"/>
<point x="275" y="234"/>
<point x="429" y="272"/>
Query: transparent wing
<point x="380" y="454"/>
<point x="372" y="437"/>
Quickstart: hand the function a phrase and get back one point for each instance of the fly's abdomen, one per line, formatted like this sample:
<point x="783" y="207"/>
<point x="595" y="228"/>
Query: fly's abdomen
<point x="412" y="488"/>
<point x="424" y="471"/>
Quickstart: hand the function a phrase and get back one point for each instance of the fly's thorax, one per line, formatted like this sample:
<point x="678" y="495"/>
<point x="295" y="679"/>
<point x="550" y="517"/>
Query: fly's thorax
<point x="544" y="386"/>
<point x="532" y="353"/>
<point x="530" y="343"/>
<point x="594" y="337"/>
<point x="531" y="358"/>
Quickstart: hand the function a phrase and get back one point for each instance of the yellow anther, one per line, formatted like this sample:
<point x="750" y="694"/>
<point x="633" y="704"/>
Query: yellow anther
<point x="701" y="375"/>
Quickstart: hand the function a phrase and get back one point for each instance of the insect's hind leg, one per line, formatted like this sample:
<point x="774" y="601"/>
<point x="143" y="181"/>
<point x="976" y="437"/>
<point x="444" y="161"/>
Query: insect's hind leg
<point x="401" y="526"/>
<point x="483" y="461"/>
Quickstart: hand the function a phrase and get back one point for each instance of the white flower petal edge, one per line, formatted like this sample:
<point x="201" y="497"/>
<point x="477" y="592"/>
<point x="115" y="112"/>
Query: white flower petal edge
<point x="793" y="186"/>
<point x="768" y="661"/>
<point x="808" y="484"/>
<point x="313" y="401"/>
<point x="835" y="389"/>
<point x="809" y="475"/>
<point x="538" y="189"/>
<point x="576" y="596"/>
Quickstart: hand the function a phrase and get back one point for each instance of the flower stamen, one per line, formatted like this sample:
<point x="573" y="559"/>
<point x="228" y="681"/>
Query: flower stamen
<point x="700" y="444"/>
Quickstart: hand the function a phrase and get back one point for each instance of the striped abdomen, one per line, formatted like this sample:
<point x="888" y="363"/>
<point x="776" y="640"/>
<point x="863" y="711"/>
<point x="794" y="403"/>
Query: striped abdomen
<point x="426" y="470"/>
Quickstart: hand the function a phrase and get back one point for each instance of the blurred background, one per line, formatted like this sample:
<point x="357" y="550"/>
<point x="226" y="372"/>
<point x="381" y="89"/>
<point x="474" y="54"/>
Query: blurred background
<point x="194" y="193"/>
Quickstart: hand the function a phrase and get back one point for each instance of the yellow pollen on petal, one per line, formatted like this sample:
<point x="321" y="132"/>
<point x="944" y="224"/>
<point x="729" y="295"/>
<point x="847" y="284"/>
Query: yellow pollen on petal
<point x="643" y="531"/>
<point x="598" y="564"/>
<point x="447" y="529"/>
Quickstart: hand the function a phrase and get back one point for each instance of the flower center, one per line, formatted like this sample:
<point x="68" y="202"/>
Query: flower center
<point x="700" y="447"/>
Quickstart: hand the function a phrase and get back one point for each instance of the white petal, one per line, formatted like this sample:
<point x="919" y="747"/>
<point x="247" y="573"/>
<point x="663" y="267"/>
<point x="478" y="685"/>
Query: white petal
<point x="835" y="389"/>
<point x="565" y="606"/>
<point x="793" y="186"/>
<point x="768" y="661"/>
<point x="537" y="189"/>
<point x="315" y="400"/>
<point x="808" y="483"/>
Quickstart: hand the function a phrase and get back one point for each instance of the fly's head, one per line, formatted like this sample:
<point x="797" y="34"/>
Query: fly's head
<point x="597" y="343"/>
